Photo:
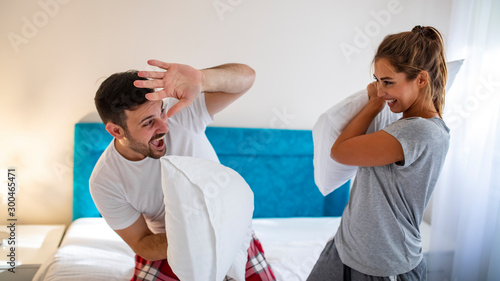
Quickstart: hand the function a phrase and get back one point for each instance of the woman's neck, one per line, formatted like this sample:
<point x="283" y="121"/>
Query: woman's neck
<point x="424" y="109"/>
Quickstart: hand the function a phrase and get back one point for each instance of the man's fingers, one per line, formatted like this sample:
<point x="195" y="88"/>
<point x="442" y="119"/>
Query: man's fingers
<point x="177" y="107"/>
<point x="151" y="74"/>
<point x="158" y="95"/>
<point x="151" y="84"/>
<point x="159" y="64"/>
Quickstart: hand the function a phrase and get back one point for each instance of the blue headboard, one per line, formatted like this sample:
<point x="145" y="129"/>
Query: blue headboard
<point x="277" y="164"/>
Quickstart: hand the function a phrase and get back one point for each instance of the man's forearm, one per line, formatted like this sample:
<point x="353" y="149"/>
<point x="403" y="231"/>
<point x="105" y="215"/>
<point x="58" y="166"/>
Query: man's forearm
<point x="153" y="247"/>
<point x="229" y="78"/>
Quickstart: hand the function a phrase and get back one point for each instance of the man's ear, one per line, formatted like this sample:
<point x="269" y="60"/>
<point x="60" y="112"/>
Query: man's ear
<point x="115" y="130"/>
<point x="423" y="79"/>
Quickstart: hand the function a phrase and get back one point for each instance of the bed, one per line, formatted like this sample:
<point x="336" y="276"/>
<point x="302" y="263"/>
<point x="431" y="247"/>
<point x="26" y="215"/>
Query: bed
<point x="292" y="218"/>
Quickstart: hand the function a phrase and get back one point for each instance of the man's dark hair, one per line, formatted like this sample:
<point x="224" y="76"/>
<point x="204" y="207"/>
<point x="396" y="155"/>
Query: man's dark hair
<point x="116" y="94"/>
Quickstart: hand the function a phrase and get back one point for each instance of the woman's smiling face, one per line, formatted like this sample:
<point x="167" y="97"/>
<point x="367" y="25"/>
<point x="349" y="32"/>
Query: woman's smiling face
<point x="402" y="95"/>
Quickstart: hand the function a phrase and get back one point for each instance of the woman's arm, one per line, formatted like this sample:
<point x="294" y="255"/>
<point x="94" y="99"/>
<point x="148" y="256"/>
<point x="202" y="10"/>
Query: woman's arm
<point x="355" y="147"/>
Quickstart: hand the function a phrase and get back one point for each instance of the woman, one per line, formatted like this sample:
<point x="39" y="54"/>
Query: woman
<point x="379" y="237"/>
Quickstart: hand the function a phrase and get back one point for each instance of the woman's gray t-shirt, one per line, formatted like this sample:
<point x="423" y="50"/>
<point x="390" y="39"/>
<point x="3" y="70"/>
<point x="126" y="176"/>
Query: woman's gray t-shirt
<point x="379" y="234"/>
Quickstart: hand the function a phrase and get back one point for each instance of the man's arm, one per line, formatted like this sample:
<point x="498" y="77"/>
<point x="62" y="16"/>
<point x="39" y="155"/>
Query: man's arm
<point x="143" y="242"/>
<point x="224" y="84"/>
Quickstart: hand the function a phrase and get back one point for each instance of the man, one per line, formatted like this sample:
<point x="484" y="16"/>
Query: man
<point x="126" y="181"/>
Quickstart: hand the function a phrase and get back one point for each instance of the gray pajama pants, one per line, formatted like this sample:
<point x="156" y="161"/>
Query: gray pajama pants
<point x="329" y="267"/>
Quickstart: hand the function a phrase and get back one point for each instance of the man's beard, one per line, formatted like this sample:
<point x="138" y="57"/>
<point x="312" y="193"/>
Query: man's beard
<point x="145" y="149"/>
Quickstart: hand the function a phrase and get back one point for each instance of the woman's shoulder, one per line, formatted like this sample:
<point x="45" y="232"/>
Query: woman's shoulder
<point x="417" y="127"/>
<point x="433" y="123"/>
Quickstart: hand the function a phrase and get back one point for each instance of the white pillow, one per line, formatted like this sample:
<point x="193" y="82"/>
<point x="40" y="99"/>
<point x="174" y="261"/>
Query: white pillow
<point x="329" y="174"/>
<point x="453" y="67"/>
<point x="208" y="218"/>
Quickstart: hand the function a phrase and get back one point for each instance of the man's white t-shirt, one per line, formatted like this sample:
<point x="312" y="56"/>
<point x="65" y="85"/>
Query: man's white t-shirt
<point x="122" y="190"/>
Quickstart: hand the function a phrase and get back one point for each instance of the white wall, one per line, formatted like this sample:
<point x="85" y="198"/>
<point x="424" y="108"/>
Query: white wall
<point x="54" y="55"/>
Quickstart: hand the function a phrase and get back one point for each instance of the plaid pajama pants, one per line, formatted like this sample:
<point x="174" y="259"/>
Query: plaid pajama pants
<point x="257" y="268"/>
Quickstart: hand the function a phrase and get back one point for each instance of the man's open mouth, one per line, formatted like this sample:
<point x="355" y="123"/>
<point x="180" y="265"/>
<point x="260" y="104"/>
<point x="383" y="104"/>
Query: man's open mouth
<point x="158" y="143"/>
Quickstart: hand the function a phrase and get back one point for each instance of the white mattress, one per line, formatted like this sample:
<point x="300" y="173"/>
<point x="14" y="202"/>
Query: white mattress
<point x="292" y="245"/>
<point x="91" y="250"/>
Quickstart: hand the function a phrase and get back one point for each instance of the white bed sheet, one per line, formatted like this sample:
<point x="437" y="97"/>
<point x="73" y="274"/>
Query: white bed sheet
<point x="293" y="245"/>
<point x="91" y="250"/>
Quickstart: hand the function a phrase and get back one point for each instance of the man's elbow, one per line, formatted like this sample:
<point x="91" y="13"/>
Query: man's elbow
<point x="151" y="247"/>
<point x="251" y="74"/>
<point x="148" y="255"/>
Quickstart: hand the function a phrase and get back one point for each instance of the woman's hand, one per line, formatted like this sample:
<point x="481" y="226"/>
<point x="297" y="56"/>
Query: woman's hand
<point x="356" y="148"/>
<point x="373" y="97"/>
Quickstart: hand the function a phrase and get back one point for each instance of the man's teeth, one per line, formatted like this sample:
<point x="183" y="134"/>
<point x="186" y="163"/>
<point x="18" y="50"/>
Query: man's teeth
<point x="157" y="142"/>
<point x="392" y="101"/>
<point x="158" y="139"/>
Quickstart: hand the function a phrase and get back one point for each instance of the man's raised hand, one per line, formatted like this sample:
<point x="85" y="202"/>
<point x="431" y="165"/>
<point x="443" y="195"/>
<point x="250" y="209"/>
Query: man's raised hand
<point x="179" y="81"/>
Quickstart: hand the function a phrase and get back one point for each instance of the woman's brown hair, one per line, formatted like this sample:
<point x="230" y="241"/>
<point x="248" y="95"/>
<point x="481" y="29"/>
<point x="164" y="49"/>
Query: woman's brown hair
<point x="421" y="49"/>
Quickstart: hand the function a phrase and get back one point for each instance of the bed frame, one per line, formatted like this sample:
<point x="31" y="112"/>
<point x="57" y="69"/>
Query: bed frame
<point x="276" y="163"/>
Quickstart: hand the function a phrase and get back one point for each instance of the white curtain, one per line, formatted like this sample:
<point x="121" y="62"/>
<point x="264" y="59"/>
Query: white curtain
<point x="465" y="227"/>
